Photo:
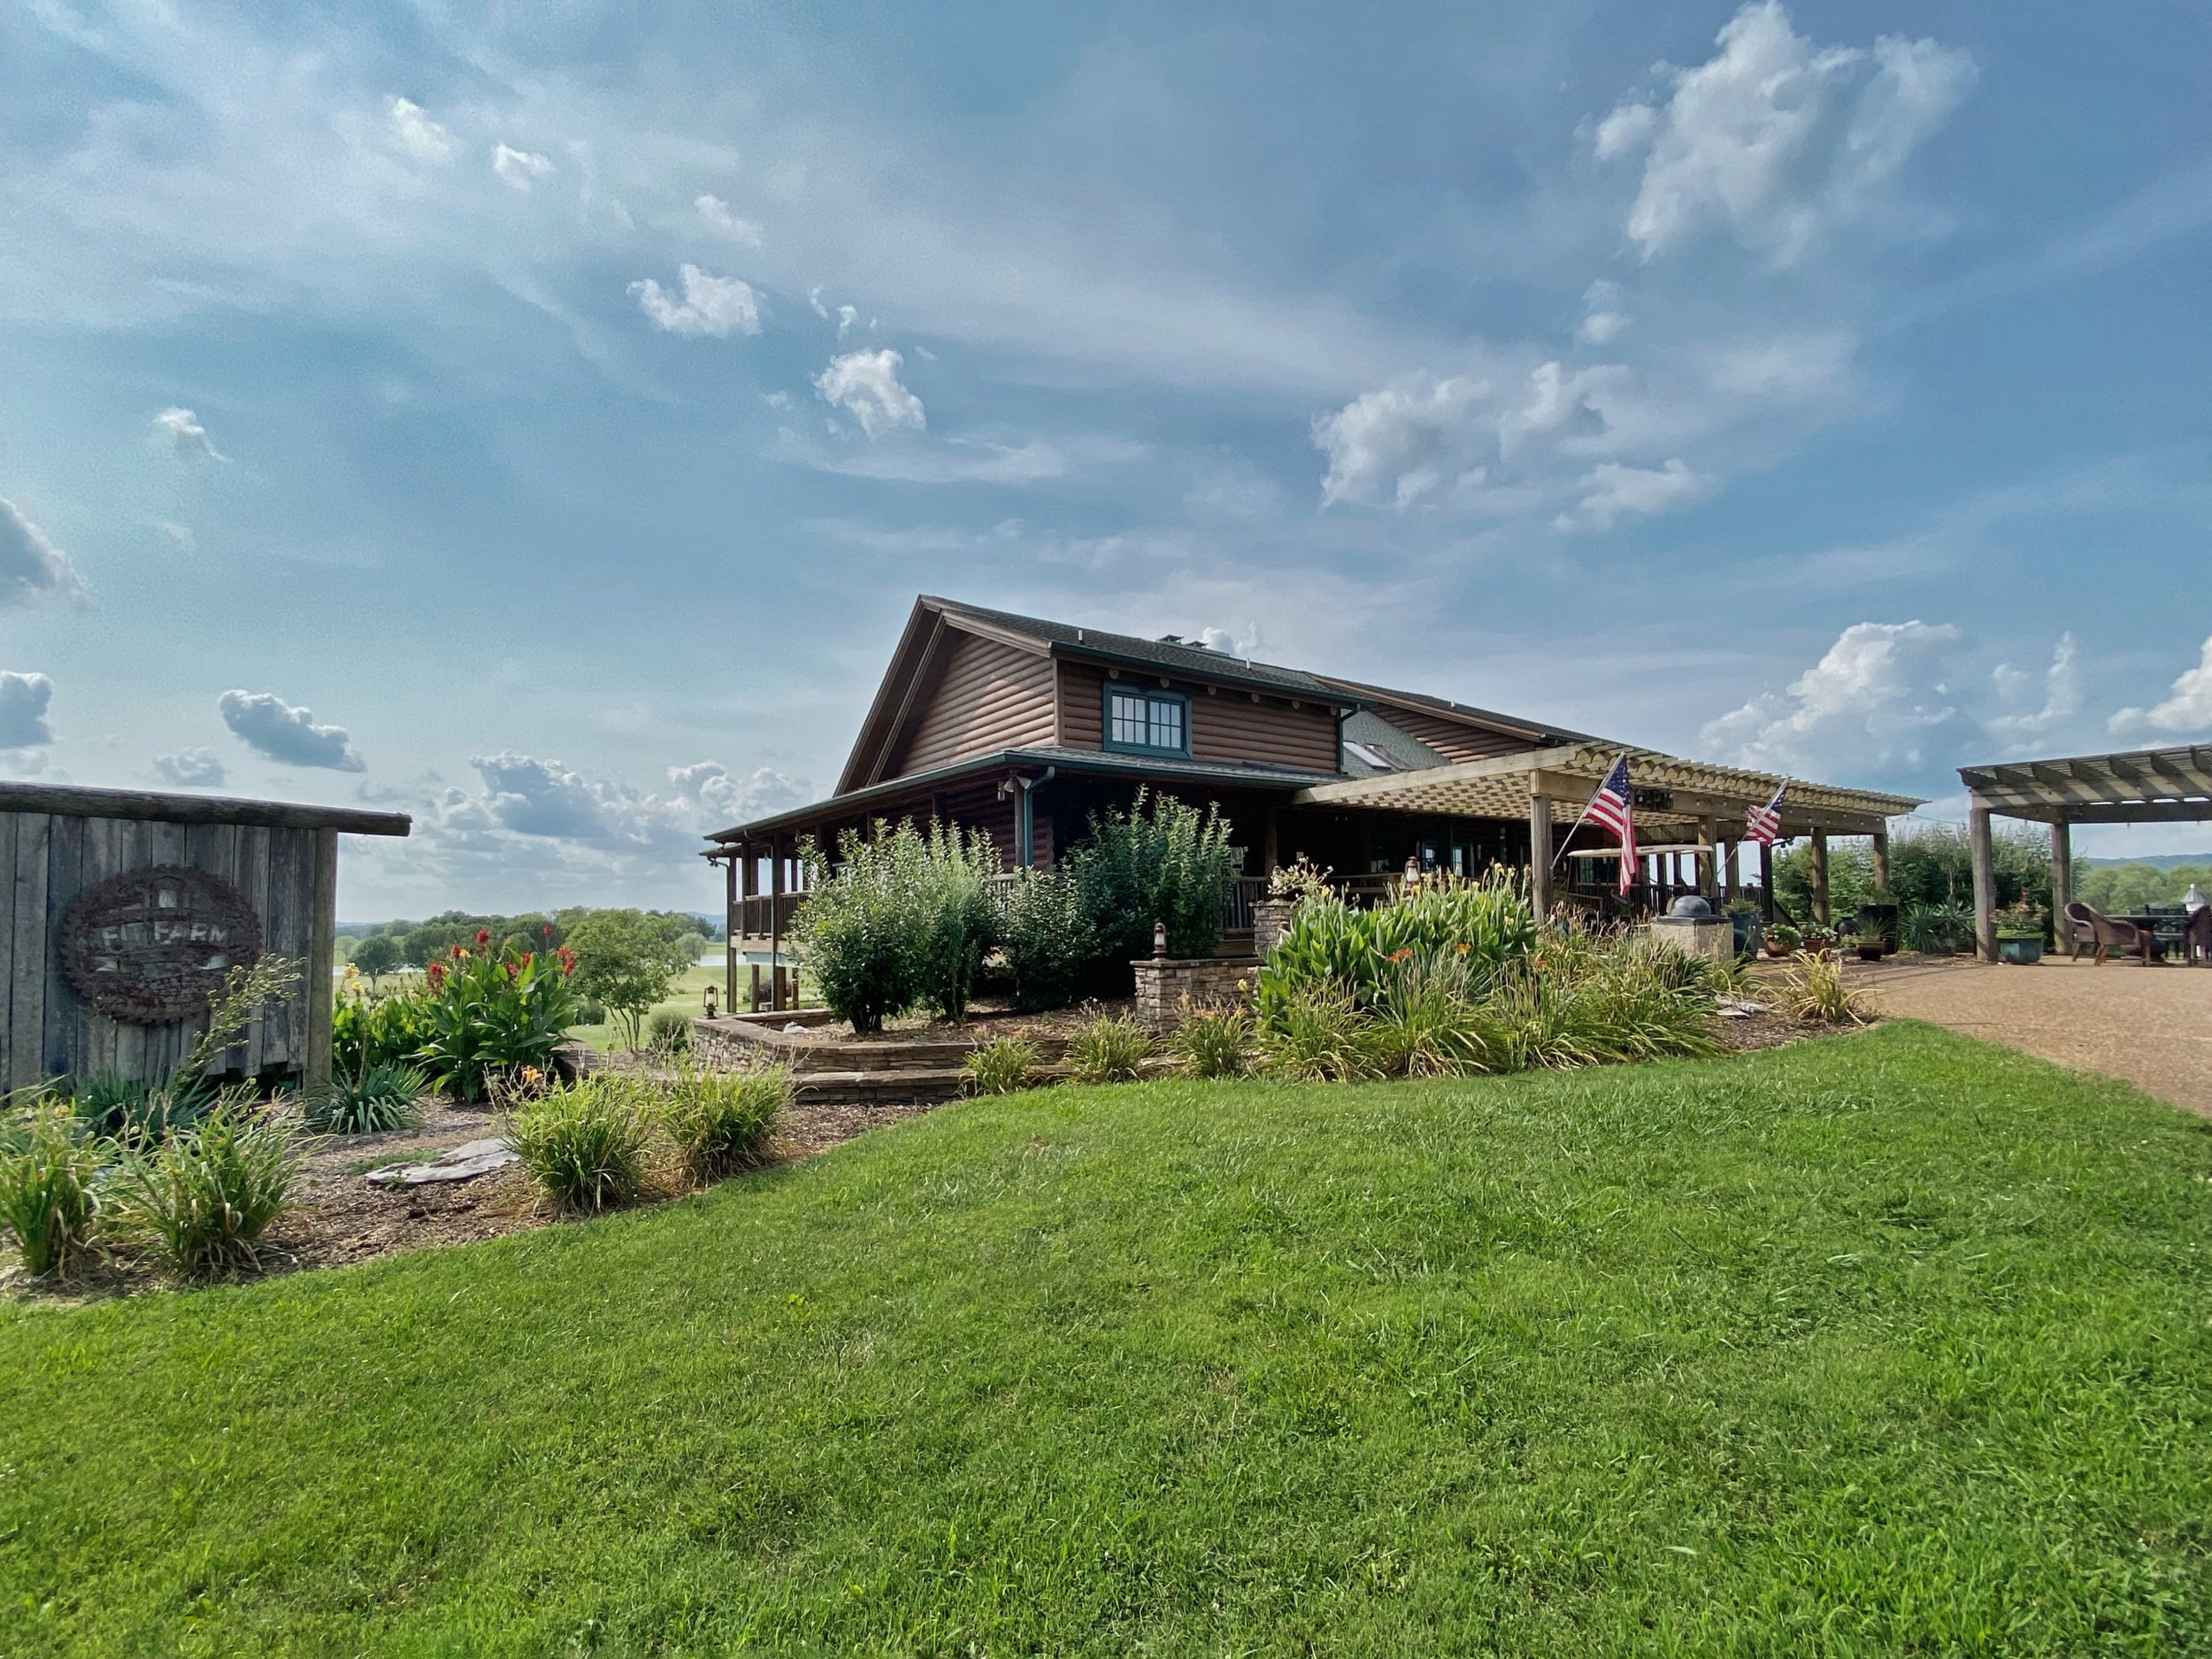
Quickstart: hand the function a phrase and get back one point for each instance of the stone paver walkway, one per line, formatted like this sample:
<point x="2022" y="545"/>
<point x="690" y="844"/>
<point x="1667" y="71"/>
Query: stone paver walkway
<point x="2152" y="1026"/>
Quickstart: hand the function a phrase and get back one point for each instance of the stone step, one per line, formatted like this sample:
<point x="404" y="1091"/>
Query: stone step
<point x="917" y="1086"/>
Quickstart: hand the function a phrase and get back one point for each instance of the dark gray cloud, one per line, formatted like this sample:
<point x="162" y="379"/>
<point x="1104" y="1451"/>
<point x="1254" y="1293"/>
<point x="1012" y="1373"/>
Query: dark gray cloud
<point x="290" y="736"/>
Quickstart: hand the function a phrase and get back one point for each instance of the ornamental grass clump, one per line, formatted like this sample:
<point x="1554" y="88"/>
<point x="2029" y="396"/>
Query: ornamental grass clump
<point x="1427" y="1022"/>
<point x="382" y="1095"/>
<point x="1107" y="1051"/>
<point x="584" y="1143"/>
<point x="50" y="1189"/>
<point x="1214" y="1042"/>
<point x="204" y="1196"/>
<point x="1001" y="1066"/>
<point x="721" y="1123"/>
<point x="1316" y="1035"/>
<point x="1813" y="990"/>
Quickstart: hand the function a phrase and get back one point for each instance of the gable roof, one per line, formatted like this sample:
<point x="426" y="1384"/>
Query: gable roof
<point x="1537" y="732"/>
<point x="1199" y="660"/>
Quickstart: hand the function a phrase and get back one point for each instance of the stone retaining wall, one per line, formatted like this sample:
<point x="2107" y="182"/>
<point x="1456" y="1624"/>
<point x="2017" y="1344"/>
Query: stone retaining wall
<point x="1163" y="983"/>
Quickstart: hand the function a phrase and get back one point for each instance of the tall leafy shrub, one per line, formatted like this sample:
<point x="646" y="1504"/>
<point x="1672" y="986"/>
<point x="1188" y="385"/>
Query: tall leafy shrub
<point x="491" y="1013"/>
<point x="1051" y="947"/>
<point x="1161" y="861"/>
<point x="902" y="917"/>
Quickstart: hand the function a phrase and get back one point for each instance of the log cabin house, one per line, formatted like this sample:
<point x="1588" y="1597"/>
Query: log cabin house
<point x="1024" y="728"/>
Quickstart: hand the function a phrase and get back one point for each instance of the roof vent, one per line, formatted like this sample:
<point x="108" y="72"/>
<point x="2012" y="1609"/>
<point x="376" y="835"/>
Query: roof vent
<point x="1171" y="639"/>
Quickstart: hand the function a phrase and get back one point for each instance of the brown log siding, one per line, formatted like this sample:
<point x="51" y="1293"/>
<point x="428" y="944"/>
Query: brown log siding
<point x="988" y="697"/>
<point x="1226" y="726"/>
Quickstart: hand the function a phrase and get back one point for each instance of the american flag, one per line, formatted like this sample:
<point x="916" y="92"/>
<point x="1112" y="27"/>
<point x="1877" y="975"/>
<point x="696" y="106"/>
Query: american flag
<point x="1762" y="824"/>
<point x="1609" y="808"/>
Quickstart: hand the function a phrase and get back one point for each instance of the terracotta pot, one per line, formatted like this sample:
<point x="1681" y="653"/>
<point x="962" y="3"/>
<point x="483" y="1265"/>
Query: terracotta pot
<point x="1777" y="948"/>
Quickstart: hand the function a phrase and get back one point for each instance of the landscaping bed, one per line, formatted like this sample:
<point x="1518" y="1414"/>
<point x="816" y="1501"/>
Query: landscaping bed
<point x="1889" y="1343"/>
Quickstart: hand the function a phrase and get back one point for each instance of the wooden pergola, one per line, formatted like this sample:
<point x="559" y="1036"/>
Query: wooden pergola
<point x="1691" y="804"/>
<point x="2140" y="786"/>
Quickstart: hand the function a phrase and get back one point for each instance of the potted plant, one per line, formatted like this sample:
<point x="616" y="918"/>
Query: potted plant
<point x="1781" y="940"/>
<point x="1876" y="924"/>
<point x="2019" y="934"/>
<point x="1745" y="920"/>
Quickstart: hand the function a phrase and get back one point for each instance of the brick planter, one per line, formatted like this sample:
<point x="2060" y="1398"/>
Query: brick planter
<point x="1164" y="982"/>
<point x="1270" y="918"/>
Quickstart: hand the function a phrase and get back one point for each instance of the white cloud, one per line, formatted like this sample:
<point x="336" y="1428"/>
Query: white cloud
<point x="715" y="213"/>
<point x="1605" y="317"/>
<point x="732" y="799"/>
<point x="865" y="385"/>
<point x="413" y="133"/>
<point x="520" y="167"/>
<point x="290" y="736"/>
<point x="1775" y="138"/>
<point x="1557" y="406"/>
<point x="1408" y="440"/>
<point x="2061" y="690"/>
<point x="971" y="460"/>
<point x="24" y="700"/>
<point x="32" y="567"/>
<point x="2187" y="710"/>
<point x="847" y="315"/>
<point x="711" y="306"/>
<point x="814" y="299"/>
<point x="182" y="428"/>
<point x="1611" y="491"/>
<point x="191" y="769"/>
<point x="180" y="535"/>
<point x="1878" y="700"/>
<point x="1250" y="642"/>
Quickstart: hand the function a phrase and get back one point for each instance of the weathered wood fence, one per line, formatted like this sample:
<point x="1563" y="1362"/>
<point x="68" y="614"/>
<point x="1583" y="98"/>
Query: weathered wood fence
<point x="58" y="844"/>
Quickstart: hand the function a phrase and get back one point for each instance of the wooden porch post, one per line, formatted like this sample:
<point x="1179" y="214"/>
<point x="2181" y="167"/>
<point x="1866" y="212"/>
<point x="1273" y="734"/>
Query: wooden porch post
<point x="1708" y="860"/>
<point x="1766" y="880"/>
<point x="1539" y="851"/>
<point x="321" y="963"/>
<point x="1820" y="877"/>
<point x="775" y="925"/>
<point x="1881" y="861"/>
<point x="2061" y="876"/>
<point x="1732" y="861"/>
<point x="731" y="922"/>
<point x="1269" y="842"/>
<point x="1984" y="879"/>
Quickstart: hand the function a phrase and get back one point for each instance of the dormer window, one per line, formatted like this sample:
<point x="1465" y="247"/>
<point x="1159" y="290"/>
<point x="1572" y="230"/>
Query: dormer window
<point x="1146" y="722"/>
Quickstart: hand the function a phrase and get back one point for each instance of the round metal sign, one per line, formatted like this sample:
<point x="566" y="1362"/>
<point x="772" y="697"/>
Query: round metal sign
<point x="150" y="947"/>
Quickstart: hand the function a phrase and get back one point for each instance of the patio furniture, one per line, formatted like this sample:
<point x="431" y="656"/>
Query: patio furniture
<point x="2088" y="928"/>
<point x="2196" y="936"/>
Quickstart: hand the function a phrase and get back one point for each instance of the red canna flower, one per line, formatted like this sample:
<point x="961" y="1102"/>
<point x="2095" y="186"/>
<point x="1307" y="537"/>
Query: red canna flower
<point x="483" y="936"/>
<point x="547" y="930"/>
<point x="459" y="953"/>
<point x="436" y="972"/>
<point x="512" y="969"/>
<point x="528" y="956"/>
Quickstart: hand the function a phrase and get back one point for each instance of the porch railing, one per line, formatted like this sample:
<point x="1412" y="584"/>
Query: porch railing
<point x="765" y="914"/>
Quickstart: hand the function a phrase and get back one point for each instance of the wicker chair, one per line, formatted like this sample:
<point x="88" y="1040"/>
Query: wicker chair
<point x="2196" y="936"/>
<point x="2090" y="929"/>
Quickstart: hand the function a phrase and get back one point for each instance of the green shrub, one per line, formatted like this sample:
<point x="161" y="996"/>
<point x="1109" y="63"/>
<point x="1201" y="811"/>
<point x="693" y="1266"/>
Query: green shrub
<point x="380" y="1097"/>
<point x="590" y="1013"/>
<point x="1107" y="1051"/>
<point x="492" y="1014"/>
<point x="1051" y="948"/>
<point x="134" y="1111"/>
<point x="49" y="1177"/>
<point x="1315" y="1036"/>
<point x="1940" y="929"/>
<point x="1001" y="1066"/>
<point x="669" y="1032"/>
<point x="1474" y="930"/>
<point x="1214" y="1042"/>
<point x="902" y="918"/>
<point x="204" y="1195"/>
<point x="1161" y="861"/>
<point x="367" y="1030"/>
<point x="721" y="1122"/>
<point x="584" y="1143"/>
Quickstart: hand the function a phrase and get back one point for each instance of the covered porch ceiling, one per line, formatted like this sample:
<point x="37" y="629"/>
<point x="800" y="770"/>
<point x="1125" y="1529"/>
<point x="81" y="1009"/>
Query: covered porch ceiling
<point x="1673" y="796"/>
<point x="2141" y="785"/>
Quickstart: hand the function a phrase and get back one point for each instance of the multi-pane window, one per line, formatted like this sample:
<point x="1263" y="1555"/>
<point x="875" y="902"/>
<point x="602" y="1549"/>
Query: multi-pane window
<point x="1151" y="722"/>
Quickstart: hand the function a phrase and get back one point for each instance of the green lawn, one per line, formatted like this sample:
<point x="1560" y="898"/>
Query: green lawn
<point x="687" y="1000"/>
<point x="1889" y="1343"/>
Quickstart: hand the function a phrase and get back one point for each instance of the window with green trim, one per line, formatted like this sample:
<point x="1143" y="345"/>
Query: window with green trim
<point x="1146" y="722"/>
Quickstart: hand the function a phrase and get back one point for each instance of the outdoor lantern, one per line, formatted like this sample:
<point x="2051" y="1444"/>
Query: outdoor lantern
<point x="1159" y="938"/>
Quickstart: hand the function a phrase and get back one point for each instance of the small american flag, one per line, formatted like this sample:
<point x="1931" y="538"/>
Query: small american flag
<point x="1609" y="808"/>
<point x="1762" y="824"/>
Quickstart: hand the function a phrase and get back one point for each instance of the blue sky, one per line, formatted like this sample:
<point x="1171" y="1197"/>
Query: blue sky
<point x="541" y="419"/>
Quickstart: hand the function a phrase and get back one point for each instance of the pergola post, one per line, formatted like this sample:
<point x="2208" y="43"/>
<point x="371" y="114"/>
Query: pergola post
<point x="1708" y="860"/>
<point x="2061" y="876"/>
<point x="1880" y="838"/>
<point x="731" y="922"/>
<point x="775" y="925"/>
<point x="1818" y="862"/>
<point x="1732" y="861"/>
<point x="1539" y="853"/>
<point x="1984" y="879"/>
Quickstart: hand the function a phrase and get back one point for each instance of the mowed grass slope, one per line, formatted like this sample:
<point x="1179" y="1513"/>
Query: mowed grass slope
<point x="1889" y="1343"/>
